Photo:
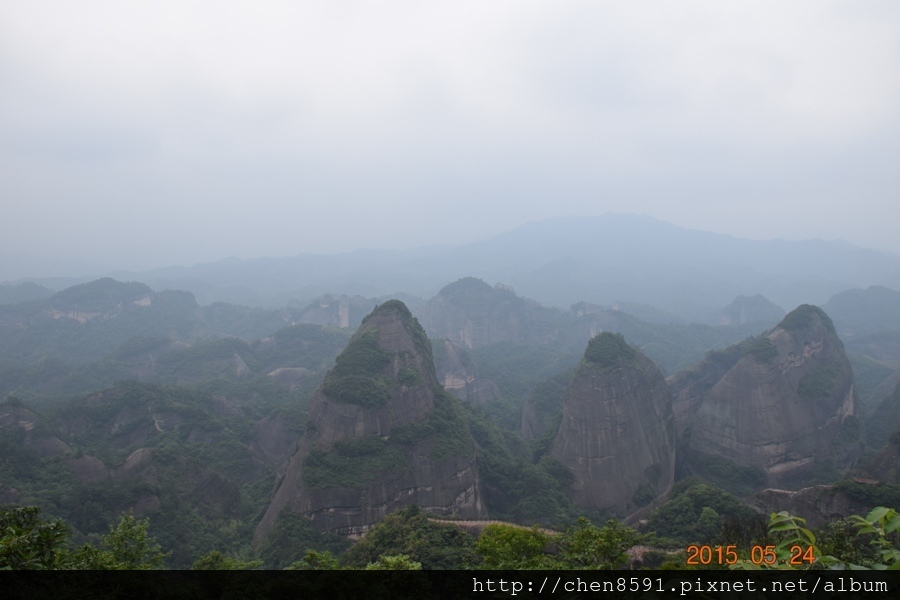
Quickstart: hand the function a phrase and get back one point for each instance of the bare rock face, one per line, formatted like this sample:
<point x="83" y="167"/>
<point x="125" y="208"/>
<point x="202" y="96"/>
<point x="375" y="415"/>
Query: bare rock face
<point x="885" y="466"/>
<point x="345" y="311"/>
<point x="382" y="434"/>
<point x="617" y="434"/>
<point x="471" y="313"/>
<point x="289" y="377"/>
<point x="459" y="375"/>
<point x="785" y="405"/>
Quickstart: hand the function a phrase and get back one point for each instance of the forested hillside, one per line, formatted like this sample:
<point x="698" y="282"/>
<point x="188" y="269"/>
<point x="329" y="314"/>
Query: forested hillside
<point x="123" y="400"/>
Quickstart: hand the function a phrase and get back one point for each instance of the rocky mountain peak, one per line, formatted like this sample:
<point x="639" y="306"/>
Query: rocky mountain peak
<point x="609" y="350"/>
<point x="782" y="404"/>
<point x="382" y="434"/>
<point x="471" y="313"/>
<point x="617" y="434"/>
<point x="808" y="320"/>
<point x="384" y="378"/>
<point x="100" y="295"/>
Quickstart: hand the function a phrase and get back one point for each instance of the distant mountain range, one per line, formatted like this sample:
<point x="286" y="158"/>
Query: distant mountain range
<point x="558" y="262"/>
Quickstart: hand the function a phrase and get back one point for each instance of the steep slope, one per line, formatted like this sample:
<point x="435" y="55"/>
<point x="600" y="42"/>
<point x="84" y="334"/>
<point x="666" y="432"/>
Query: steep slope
<point x="339" y="312"/>
<point x="884" y="421"/>
<point x="785" y="406"/>
<point x="617" y="434"/>
<point x="382" y="434"/>
<point x="458" y="373"/>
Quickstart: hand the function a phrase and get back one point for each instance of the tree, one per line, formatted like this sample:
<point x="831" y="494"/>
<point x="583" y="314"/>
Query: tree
<point x="127" y="546"/>
<point x="216" y="561"/>
<point x="408" y="531"/>
<point x="881" y="525"/>
<point x="315" y="561"/>
<point x="26" y="542"/>
<point x="511" y="547"/>
<point x="396" y="562"/>
<point x="586" y="546"/>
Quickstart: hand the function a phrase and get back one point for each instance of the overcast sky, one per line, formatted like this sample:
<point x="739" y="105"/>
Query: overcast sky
<point x="141" y="134"/>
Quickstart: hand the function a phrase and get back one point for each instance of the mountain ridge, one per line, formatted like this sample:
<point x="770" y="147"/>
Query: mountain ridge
<point x="556" y="262"/>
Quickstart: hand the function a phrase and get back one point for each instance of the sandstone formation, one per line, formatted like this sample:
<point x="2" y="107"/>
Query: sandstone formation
<point x="542" y="413"/>
<point x="782" y="404"/>
<point x="459" y="375"/>
<point x="471" y="313"/>
<point x="884" y="420"/>
<point x="382" y="434"/>
<point x="344" y="311"/>
<point x="617" y="434"/>
<point x="885" y="466"/>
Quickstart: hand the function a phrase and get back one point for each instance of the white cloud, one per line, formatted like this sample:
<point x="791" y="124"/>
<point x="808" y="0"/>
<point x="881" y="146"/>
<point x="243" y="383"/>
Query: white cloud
<point x="465" y="117"/>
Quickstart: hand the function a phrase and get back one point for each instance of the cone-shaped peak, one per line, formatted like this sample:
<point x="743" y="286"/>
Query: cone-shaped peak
<point x="617" y="434"/>
<point x="807" y="317"/>
<point x="390" y="351"/>
<point x="382" y="434"/>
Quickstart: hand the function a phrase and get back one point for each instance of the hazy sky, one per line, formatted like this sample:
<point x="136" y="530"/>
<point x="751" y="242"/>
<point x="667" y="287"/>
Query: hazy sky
<point x="140" y="134"/>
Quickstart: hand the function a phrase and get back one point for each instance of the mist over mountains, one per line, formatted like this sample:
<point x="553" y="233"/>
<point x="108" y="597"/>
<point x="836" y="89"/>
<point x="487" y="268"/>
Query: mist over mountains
<point x="557" y="262"/>
<point x="611" y="367"/>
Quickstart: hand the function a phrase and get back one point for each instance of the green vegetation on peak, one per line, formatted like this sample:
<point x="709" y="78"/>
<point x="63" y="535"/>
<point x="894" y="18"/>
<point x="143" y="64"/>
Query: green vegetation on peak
<point x="760" y="347"/>
<point x="396" y="307"/>
<point x="609" y="350"/>
<point x="465" y="287"/>
<point x="358" y="375"/>
<point x="102" y="294"/>
<point x="804" y="316"/>
<point x="360" y="372"/>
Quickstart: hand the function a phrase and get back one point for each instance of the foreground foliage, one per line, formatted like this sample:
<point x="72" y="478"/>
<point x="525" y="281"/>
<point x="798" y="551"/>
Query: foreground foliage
<point x="27" y="542"/>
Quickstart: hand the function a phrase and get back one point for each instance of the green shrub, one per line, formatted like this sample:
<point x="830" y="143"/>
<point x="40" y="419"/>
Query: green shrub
<point x="803" y="317"/>
<point x="352" y="463"/>
<point x="609" y="350"/>
<point x="737" y="479"/>
<point x="820" y="383"/>
<point x="761" y="348"/>
<point x="358" y="375"/>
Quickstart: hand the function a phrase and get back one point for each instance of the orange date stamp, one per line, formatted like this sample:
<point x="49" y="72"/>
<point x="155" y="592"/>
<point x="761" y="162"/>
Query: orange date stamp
<point x="759" y="555"/>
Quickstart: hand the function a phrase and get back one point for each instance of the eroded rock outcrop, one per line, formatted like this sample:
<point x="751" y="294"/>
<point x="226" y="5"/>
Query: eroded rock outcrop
<point x="382" y="434"/>
<point x="617" y="434"/>
<point x="782" y="403"/>
<point x="458" y="373"/>
<point x="344" y="311"/>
